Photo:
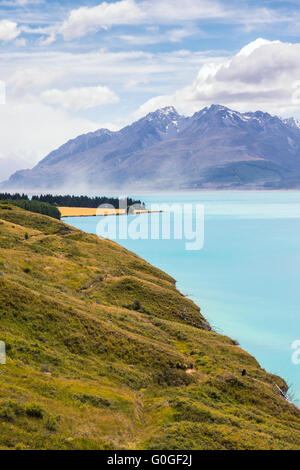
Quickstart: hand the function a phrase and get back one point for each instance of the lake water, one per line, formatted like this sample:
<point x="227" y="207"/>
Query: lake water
<point x="246" y="276"/>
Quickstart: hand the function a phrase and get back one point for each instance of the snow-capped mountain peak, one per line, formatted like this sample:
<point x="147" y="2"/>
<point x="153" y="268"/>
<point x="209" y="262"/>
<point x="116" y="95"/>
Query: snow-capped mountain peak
<point x="168" y="113"/>
<point x="217" y="147"/>
<point x="292" y="122"/>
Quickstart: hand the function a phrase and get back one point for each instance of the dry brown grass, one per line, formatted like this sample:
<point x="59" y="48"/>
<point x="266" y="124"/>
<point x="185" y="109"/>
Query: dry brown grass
<point x="88" y="211"/>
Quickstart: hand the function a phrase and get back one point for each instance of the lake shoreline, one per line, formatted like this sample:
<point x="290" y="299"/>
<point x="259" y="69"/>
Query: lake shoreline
<point x="67" y="212"/>
<point x="257" y="237"/>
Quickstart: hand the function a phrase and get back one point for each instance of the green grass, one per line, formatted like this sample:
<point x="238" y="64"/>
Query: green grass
<point x="105" y="353"/>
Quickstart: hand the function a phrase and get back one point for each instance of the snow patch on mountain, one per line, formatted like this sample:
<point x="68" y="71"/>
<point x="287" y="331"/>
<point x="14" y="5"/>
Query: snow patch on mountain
<point x="292" y="122"/>
<point x="217" y="147"/>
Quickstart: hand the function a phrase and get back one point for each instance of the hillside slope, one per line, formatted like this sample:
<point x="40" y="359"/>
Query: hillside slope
<point x="215" y="148"/>
<point x="105" y="353"/>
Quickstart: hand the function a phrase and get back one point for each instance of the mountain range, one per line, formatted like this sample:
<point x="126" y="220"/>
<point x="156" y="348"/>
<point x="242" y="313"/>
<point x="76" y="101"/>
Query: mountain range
<point x="216" y="148"/>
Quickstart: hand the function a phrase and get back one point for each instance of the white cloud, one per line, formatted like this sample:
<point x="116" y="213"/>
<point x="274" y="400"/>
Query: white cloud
<point x="8" y="165"/>
<point x="80" y="98"/>
<point x="249" y="48"/>
<point x="155" y="37"/>
<point x="168" y="11"/>
<point x="48" y="40"/>
<point x="22" y="3"/>
<point x="8" y="30"/>
<point x="90" y="19"/>
<point x="177" y="35"/>
<point x="28" y="132"/>
<point x="2" y="92"/>
<point x="182" y="14"/>
<point x="263" y="75"/>
<point x="47" y="34"/>
<point x="29" y="73"/>
<point x="19" y="3"/>
<point x="29" y="80"/>
<point x="20" y="42"/>
<point x="84" y="20"/>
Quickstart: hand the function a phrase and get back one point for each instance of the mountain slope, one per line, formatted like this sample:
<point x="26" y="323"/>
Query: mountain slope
<point x="104" y="352"/>
<point x="215" y="148"/>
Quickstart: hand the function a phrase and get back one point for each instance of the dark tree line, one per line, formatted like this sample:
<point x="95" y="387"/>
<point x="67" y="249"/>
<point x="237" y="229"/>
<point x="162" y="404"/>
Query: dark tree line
<point x="13" y="197"/>
<point x="36" y="206"/>
<point x="84" y="201"/>
<point x="46" y="203"/>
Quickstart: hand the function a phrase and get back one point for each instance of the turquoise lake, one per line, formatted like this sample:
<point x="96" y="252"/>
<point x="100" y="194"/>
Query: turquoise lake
<point x="246" y="276"/>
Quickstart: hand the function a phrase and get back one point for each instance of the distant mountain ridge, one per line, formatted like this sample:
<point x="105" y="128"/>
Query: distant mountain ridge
<point x="216" y="148"/>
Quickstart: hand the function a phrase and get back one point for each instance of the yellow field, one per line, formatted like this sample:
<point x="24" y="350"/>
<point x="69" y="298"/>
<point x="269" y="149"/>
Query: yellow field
<point x="88" y="211"/>
<point x="144" y="211"/>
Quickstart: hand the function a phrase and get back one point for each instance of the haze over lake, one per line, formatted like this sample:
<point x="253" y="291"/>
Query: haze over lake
<point x="246" y="277"/>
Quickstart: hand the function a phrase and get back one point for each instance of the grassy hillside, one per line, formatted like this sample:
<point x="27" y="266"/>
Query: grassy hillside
<point x="36" y="206"/>
<point x="105" y="353"/>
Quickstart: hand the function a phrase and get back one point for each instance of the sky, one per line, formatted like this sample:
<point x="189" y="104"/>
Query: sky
<point x="74" y="66"/>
